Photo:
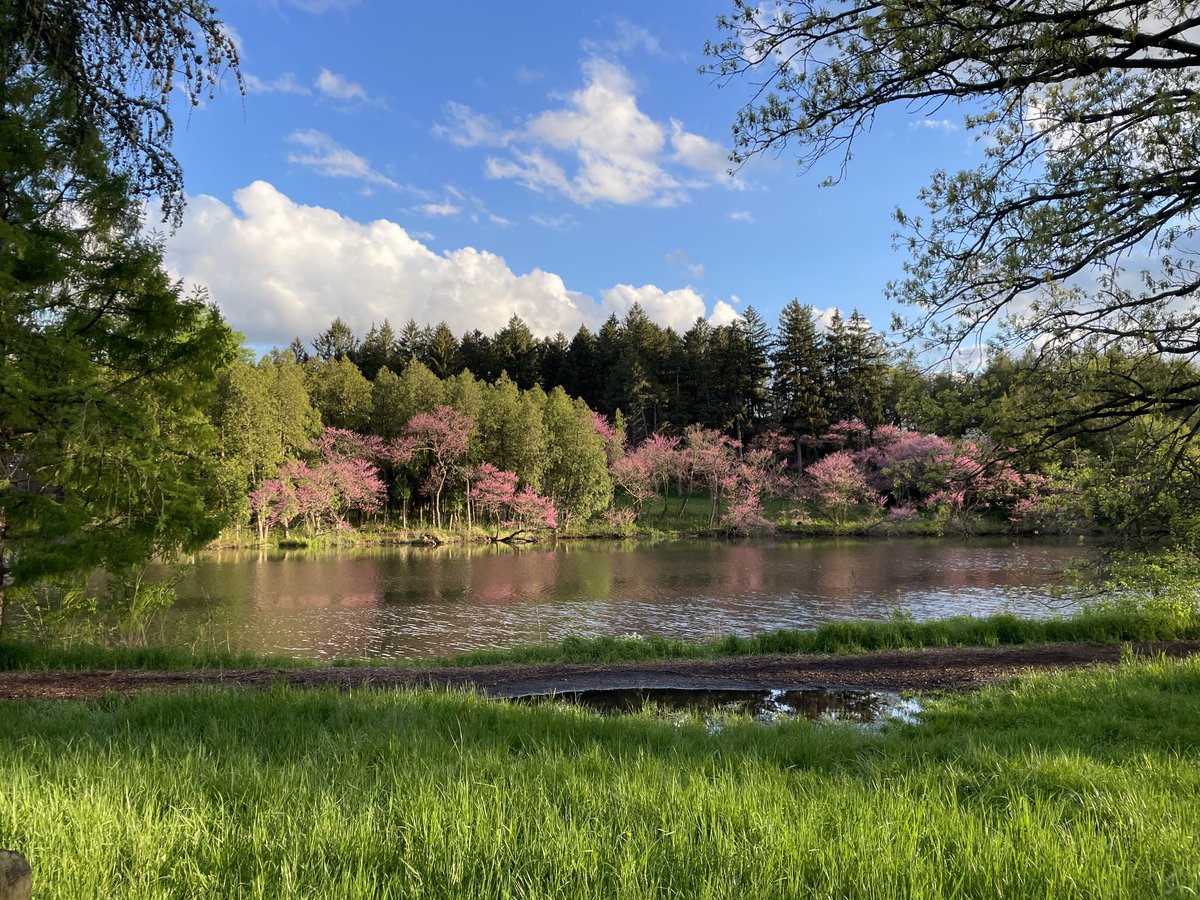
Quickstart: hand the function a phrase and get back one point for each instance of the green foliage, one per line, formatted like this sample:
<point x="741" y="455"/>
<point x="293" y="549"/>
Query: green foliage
<point x="576" y="475"/>
<point x="339" y="392"/>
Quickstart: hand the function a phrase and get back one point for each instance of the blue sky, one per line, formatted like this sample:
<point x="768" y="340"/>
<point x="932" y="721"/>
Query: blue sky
<point x="560" y="161"/>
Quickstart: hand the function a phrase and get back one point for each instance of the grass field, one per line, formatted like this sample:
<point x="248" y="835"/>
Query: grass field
<point x="1074" y="785"/>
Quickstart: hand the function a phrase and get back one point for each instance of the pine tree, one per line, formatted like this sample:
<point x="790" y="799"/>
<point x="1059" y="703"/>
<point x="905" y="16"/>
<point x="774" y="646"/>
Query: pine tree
<point x="798" y="386"/>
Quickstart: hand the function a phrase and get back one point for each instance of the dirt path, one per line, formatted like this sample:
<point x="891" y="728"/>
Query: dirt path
<point x="953" y="668"/>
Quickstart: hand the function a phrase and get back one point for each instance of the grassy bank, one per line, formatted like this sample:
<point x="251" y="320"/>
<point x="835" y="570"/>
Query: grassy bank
<point x="1107" y="623"/>
<point x="1076" y="785"/>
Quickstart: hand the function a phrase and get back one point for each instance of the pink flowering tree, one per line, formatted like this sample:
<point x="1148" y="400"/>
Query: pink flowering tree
<point x="646" y="472"/>
<point x="497" y="496"/>
<point x="318" y="495"/>
<point x="439" y="439"/>
<point x="837" y="485"/>
<point x="710" y="458"/>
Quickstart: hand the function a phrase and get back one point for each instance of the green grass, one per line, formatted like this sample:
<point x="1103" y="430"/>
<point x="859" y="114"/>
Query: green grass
<point x="1074" y="785"/>
<point x="1106" y="623"/>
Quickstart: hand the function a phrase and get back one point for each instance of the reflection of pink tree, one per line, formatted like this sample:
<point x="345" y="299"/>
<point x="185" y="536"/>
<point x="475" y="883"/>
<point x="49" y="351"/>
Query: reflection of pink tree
<point x="837" y="484"/>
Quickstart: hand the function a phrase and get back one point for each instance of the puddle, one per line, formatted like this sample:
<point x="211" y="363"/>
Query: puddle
<point x="869" y="708"/>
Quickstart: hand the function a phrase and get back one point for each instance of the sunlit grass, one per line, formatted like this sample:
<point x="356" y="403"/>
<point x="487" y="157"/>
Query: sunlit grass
<point x="1074" y="785"/>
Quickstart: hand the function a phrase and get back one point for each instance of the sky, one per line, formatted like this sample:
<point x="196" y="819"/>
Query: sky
<point x="560" y="161"/>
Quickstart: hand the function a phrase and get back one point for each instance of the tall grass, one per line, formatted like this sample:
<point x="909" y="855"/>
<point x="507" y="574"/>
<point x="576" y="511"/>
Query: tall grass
<point x="1074" y="785"/>
<point x="1111" y="622"/>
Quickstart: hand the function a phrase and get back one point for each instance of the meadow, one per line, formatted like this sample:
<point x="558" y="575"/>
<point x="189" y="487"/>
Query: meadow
<point x="1070" y="785"/>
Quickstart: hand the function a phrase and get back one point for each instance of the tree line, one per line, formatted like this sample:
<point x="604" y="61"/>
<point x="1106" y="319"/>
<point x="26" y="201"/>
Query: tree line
<point x="732" y="378"/>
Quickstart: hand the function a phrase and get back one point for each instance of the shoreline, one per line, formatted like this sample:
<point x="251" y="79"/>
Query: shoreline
<point x="923" y="669"/>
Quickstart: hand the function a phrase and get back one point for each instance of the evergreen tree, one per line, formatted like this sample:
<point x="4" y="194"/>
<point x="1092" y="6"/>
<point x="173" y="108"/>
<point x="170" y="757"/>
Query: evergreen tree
<point x="377" y="350"/>
<point x="580" y="370"/>
<point x="441" y="352"/>
<point x="516" y="352"/>
<point x="335" y="342"/>
<point x="478" y="356"/>
<point x="798" y="385"/>
<point x="866" y="379"/>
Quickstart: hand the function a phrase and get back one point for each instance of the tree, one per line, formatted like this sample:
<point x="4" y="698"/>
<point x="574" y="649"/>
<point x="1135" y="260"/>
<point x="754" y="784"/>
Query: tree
<point x="340" y="393"/>
<point x="115" y="65"/>
<point x="1087" y="111"/>
<point x="576" y="474"/>
<point x="336" y="342"/>
<point x="377" y="351"/>
<point x="798" y="384"/>
<point x="440" y="436"/>
<point x="107" y="457"/>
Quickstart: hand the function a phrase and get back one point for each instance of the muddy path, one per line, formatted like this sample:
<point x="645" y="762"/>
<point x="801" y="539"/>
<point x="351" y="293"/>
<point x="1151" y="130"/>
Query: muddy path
<point x="944" y="668"/>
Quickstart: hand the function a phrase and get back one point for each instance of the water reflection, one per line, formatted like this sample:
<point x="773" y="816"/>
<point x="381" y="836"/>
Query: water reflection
<point x="415" y="601"/>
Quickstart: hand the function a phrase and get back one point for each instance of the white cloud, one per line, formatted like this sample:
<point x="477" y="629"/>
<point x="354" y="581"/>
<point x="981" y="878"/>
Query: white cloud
<point x="566" y="220"/>
<point x="325" y="155"/>
<point x="339" y="87"/>
<point x="678" y="308"/>
<point x="723" y="314"/>
<point x="283" y="84"/>
<point x="628" y="38"/>
<point x="526" y="75"/>
<point x="946" y="126"/>
<point x="440" y="209"/>
<point x="467" y="128"/>
<point x="277" y="268"/>
<point x="699" y="153"/>
<point x="822" y="317"/>
<point x="742" y="215"/>
<point x="600" y="147"/>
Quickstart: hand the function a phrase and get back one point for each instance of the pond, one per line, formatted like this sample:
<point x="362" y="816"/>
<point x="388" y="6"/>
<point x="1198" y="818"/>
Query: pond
<point x="404" y="602"/>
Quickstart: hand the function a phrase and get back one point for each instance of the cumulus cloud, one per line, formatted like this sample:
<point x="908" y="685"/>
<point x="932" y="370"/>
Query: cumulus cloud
<point x="723" y="314"/>
<point x="678" y="308"/>
<point x="742" y="215"/>
<point x="339" y="87"/>
<point x="326" y="156"/>
<point x="599" y="147"/>
<point x="277" y="268"/>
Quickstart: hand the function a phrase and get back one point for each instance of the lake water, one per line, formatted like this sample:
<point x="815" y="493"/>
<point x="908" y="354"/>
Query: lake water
<point x="403" y="602"/>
